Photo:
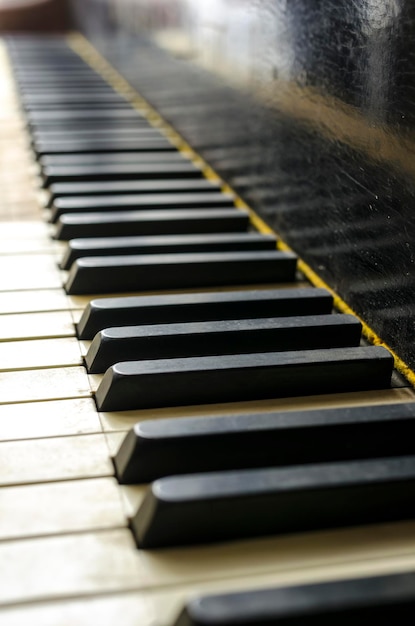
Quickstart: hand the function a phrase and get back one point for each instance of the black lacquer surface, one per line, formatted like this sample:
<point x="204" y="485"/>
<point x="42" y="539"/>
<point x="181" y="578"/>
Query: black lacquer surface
<point x="307" y="109"/>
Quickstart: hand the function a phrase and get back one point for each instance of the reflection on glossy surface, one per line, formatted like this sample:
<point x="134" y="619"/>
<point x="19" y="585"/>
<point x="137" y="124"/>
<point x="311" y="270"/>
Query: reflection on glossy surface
<point x="307" y="109"/>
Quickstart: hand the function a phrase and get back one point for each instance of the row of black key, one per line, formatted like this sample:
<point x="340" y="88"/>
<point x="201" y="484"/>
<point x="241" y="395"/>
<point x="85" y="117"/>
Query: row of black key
<point x="138" y="216"/>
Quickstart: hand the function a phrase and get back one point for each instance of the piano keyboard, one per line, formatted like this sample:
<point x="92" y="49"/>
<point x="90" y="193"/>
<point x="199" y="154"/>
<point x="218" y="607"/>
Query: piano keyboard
<point x="243" y="361"/>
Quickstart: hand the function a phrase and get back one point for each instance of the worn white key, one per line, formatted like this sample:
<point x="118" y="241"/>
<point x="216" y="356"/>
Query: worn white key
<point x="167" y="603"/>
<point x="124" y="609"/>
<point x="46" y="384"/>
<point x="60" y="458"/>
<point x="36" y="325"/>
<point x="161" y="607"/>
<point x="24" y="207"/>
<point x="24" y="230"/>
<point x="124" y="420"/>
<point x="34" y="420"/>
<point x="279" y="555"/>
<point x="33" y="301"/>
<point x="39" y="353"/>
<point x="107" y="561"/>
<point x="62" y="507"/>
<point x="17" y="272"/>
<point x="29" y="246"/>
<point x="70" y="565"/>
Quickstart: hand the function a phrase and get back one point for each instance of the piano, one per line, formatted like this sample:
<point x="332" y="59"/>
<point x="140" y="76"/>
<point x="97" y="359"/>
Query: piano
<point x="192" y="405"/>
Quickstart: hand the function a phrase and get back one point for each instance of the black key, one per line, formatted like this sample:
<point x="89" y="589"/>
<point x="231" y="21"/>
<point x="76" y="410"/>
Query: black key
<point x="119" y="105"/>
<point x="31" y="64"/>
<point x="231" y="378"/>
<point x="65" y="67"/>
<point x="124" y="187"/>
<point x="157" y="448"/>
<point x="194" y="307"/>
<point x="71" y="96"/>
<point x="64" y="115"/>
<point x="165" y="341"/>
<point x="150" y="272"/>
<point x="54" y="87"/>
<point x="155" y="222"/>
<point x="99" y="145"/>
<point x="110" y="246"/>
<point x="74" y="134"/>
<point x="51" y="81"/>
<point x="380" y="600"/>
<point x="217" y="506"/>
<point x="105" y="158"/>
<point x="51" y="129"/>
<point x="127" y="171"/>
<point x="50" y="84"/>
<point x="38" y="74"/>
<point x="61" y="96"/>
<point x="145" y="202"/>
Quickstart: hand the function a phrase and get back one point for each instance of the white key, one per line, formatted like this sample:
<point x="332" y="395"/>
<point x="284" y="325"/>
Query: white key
<point x="32" y="301"/>
<point x="68" y="566"/>
<point x="97" y="563"/>
<point x="37" y="271"/>
<point x="36" y="325"/>
<point x="63" y="507"/>
<point x="28" y="230"/>
<point x="127" y="609"/>
<point x="124" y="420"/>
<point x="60" y="458"/>
<point x="30" y="420"/>
<point x="47" y="384"/>
<point x="19" y="355"/>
